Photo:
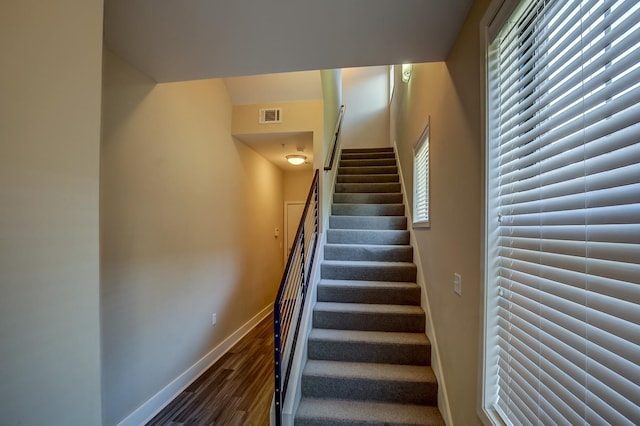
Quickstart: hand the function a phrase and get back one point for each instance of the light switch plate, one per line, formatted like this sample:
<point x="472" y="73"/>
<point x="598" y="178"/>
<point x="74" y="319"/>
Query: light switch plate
<point x="457" y="284"/>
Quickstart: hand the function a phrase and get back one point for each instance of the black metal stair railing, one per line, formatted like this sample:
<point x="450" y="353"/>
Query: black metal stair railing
<point x="287" y="309"/>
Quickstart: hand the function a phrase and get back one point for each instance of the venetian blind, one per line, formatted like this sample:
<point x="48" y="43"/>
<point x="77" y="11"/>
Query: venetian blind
<point x="564" y="158"/>
<point x="421" y="180"/>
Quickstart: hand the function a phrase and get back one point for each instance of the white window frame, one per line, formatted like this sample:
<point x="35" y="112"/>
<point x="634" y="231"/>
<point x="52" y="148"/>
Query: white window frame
<point x="493" y="20"/>
<point x="421" y="181"/>
<point x="497" y="14"/>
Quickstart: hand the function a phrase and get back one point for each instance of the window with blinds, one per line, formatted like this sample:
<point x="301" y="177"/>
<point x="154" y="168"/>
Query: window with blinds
<point x="421" y="180"/>
<point x="563" y="212"/>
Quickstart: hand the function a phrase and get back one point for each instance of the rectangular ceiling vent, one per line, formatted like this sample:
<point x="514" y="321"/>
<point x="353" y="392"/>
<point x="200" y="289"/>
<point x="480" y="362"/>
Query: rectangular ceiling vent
<point x="270" y="115"/>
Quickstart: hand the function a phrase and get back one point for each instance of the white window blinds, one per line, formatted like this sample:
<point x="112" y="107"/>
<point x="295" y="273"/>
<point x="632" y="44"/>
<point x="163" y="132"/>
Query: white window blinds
<point x="421" y="180"/>
<point x="564" y="203"/>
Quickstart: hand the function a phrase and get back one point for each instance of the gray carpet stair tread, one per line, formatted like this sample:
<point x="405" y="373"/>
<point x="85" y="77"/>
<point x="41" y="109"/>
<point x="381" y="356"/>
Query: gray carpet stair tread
<point x="382" y="232"/>
<point x="369" y="193"/>
<point x="358" y="336"/>
<point x="367" y="204"/>
<point x="364" y="150"/>
<point x="362" y="191"/>
<point x="366" y="178"/>
<point x="367" y="198"/>
<point x="358" y="162"/>
<point x="374" y="252"/>
<point x="368" y="222"/>
<point x="377" y="292"/>
<point x="402" y="232"/>
<point x="369" y="316"/>
<point x="320" y="412"/>
<point x="367" y="284"/>
<point x="348" y="209"/>
<point x="368" y="308"/>
<point x="368" y="237"/>
<point x="368" y="270"/>
<point x="368" y="187"/>
<point x="369" y="264"/>
<point x="368" y="170"/>
<point x="373" y="246"/>
<point x="357" y="155"/>
<point x="372" y="371"/>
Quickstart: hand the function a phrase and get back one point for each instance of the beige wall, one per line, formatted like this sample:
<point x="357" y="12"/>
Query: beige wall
<point x="366" y="96"/>
<point x="188" y="219"/>
<point x="297" y="184"/>
<point x="300" y="116"/>
<point x="449" y="93"/>
<point x="49" y="170"/>
<point x="332" y="95"/>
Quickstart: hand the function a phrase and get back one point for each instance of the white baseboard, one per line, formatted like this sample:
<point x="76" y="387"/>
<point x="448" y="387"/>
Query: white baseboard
<point x="156" y="403"/>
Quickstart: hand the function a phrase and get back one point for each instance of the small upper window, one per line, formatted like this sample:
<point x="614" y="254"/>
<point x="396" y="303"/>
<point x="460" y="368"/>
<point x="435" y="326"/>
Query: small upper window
<point x="421" y="181"/>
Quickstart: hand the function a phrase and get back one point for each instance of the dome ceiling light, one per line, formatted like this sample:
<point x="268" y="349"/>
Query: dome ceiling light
<point x="296" y="159"/>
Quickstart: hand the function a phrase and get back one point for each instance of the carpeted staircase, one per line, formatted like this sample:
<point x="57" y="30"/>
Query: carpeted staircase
<point x="368" y="356"/>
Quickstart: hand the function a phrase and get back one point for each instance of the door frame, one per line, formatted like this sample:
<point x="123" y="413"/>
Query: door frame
<point x="286" y="228"/>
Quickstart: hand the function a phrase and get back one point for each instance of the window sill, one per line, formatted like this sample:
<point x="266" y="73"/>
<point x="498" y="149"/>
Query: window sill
<point x="422" y="225"/>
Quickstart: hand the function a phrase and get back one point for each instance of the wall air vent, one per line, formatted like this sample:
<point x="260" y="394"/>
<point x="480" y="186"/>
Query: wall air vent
<point x="270" y="115"/>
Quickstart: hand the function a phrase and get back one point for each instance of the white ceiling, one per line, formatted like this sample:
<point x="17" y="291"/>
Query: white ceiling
<point x="268" y="88"/>
<point x="175" y="40"/>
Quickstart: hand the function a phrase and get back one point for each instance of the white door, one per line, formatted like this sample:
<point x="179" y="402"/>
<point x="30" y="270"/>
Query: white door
<point x="292" y="214"/>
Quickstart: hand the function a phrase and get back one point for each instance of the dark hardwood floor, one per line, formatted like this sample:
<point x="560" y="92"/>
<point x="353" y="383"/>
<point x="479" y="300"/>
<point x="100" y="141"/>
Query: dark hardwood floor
<point x="236" y="390"/>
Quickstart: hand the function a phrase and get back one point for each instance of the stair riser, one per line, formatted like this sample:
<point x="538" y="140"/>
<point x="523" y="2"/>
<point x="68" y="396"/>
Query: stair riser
<point x="371" y="222"/>
<point x="367" y="209"/>
<point x="361" y="236"/>
<point x="405" y="323"/>
<point x="366" y="150"/>
<point x="378" y="178"/>
<point x="368" y="170"/>
<point x="342" y="188"/>
<point x="366" y="155"/>
<point x="332" y="412"/>
<point x="372" y="390"/>
<point x="384" y="198"/>
<point x="405" y="296"/>
<point x="371" y="253"/>
<point x="304" y="421"/>
<point x="368" y="162"/>
<point x="364" y="273"/>
<point x="369" y="352"/>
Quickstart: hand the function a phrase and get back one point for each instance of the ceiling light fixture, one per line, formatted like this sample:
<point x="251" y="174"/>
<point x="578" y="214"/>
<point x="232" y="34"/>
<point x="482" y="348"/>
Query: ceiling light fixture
<point x="296" y="159"/>
<point x="407" y="69"/>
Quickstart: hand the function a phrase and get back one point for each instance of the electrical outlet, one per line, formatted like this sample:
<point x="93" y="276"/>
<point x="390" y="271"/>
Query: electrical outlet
<point x="457" y="284"/>
<point x="213" y="319"/>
